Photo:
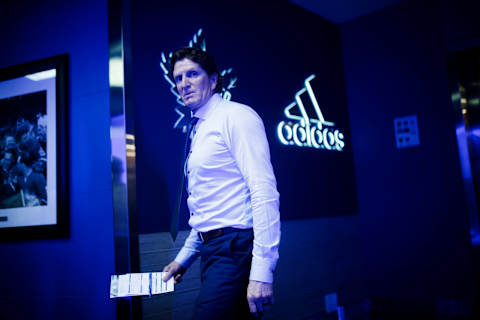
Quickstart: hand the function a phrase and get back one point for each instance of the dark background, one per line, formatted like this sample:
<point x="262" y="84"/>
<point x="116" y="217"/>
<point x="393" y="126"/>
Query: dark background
<point x="410" y="240"/>
<point x="272" y="55"/>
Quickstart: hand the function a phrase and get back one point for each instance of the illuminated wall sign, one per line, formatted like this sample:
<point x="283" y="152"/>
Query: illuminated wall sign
<point x="304" y="131"/>
<point x="198" y="41"/>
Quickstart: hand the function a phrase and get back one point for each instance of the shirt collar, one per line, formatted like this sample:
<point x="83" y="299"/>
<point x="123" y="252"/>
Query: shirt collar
<point x="204" y="111"/>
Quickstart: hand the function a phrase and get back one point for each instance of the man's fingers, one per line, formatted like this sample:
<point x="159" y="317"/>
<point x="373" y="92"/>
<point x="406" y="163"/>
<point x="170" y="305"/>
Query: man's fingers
<point x="260" y="297"/>
<point x="256" y="306"/>
<point x="266" y="304"/>
<point x="178" y="278"/>
<point x="173" y="269"/>
<point x="170" y="271"/>
<point x="259" y="305"/>
<point x="168" y="275"/>
<point x="252" y="306"/>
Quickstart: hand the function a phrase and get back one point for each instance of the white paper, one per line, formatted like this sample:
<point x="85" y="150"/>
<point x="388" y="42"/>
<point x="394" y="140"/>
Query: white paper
<point x="145" y="289"/>
<point x="123" y="285"/>
<point x="136" y="284"/>
<point x="170" y="285"/>
<point x="114" y="286"/>
<point x="161" y="286"/>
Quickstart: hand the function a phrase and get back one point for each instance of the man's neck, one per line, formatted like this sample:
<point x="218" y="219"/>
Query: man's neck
<point x="202" y="110"/>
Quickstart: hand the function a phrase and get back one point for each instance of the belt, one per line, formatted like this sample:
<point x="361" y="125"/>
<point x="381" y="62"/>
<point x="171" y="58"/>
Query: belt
<point x="212" y="234"/>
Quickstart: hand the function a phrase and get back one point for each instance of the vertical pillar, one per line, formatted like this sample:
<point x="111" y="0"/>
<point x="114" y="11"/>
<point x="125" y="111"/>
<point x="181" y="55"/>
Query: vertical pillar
<point x="122" y="137"/>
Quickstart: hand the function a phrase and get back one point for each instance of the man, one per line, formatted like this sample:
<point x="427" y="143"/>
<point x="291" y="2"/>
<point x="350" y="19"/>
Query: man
<point x="32" y="183"/>
<point x="232" y="197"/>
<point x="8" y="182"/>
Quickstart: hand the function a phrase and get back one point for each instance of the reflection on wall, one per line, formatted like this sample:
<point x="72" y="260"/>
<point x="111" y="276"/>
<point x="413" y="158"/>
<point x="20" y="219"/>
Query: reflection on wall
<point x="466" y="97"/>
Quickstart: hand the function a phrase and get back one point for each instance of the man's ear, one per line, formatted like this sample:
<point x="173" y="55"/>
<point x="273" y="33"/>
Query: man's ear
<point x="213" y="81"/>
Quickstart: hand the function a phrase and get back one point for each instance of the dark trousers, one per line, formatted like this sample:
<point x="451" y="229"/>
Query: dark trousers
<point x="225" y="270"/>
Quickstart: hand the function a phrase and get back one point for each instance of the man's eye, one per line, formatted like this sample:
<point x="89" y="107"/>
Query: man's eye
<point x="192" y="74"/>
<point x="178" y="79"/>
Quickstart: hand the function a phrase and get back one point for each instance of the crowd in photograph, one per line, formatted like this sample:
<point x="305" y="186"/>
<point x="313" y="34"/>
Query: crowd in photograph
<point x="23" y="163"/>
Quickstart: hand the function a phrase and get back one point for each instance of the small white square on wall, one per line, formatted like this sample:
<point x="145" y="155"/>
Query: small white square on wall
<point x="406" y="131"/>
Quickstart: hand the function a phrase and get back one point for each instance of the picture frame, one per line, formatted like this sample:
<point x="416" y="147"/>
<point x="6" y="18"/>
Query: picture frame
<point x="34" y="201"/>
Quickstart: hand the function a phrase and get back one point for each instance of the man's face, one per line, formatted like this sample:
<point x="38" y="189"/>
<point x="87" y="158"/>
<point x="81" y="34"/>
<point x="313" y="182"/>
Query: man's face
<point x="193" y="83"/>
<point x="9" y="140"/>
<point x="6" y="161"/>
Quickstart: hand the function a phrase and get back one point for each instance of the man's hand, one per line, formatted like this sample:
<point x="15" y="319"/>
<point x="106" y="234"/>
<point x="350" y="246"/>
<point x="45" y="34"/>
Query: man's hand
<point x="174" y="269"/>
<point x="259" y="296"/>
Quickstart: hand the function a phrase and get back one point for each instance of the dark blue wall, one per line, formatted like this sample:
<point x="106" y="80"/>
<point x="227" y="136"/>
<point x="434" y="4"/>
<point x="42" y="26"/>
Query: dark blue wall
<point x="412" y="207"/>
<point x="68" y="278"/>
<point x="272" y="47"/>
<point x="410" y="238"/>
<point x="272" y="55"/>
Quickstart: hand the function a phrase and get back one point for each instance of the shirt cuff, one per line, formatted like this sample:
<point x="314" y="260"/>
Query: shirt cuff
<point x="262" y="270"/>
<point x="186" y="257"/>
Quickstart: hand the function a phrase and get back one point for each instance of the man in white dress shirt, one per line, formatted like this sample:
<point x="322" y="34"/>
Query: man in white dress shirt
<point x="232" y="197"/>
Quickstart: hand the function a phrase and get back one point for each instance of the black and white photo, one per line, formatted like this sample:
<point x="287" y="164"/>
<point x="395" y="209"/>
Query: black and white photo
<point x="32" y="147"/>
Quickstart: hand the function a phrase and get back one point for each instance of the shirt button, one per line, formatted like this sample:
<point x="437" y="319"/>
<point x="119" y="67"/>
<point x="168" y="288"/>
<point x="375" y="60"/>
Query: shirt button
<point x="189" y="193"/>
<point x="191" y="213"/>
<point x="188" y="172"/>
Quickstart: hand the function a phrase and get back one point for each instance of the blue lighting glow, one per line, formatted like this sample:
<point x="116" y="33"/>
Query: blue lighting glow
<point x="309" y="132"/>
<point x="463" y="147"/>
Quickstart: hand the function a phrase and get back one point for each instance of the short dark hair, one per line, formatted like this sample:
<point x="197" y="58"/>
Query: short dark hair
<point x="205" y="60"/>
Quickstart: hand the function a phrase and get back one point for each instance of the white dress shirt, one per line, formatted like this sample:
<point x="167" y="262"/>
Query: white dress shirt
<point x="231" y="182"/>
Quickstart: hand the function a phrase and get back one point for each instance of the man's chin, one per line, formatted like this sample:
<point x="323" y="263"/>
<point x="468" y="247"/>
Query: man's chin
<point x="191" y="104"/>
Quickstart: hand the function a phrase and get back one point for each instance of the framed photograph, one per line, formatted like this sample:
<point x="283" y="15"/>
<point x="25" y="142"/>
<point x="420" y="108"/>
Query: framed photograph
<point x="33" y="150"/>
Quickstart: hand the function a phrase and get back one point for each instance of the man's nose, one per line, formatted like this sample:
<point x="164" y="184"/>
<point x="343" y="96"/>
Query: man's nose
<point x="185" y="83"/>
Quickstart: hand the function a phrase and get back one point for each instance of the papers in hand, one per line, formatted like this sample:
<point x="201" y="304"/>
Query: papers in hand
<point x="139" y="284"/>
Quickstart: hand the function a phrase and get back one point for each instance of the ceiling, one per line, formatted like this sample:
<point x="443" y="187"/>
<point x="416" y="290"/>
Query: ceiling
<point x="340" y="11"/>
